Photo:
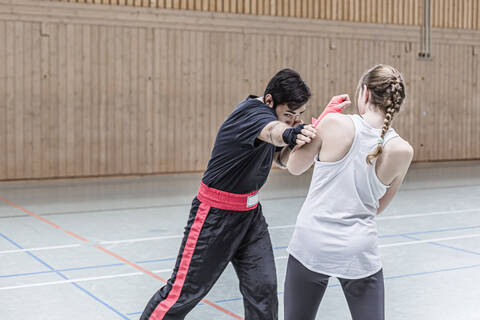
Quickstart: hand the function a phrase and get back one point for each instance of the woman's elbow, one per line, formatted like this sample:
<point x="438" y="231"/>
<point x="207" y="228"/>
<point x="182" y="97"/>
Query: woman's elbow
<point x="294" y="171"/>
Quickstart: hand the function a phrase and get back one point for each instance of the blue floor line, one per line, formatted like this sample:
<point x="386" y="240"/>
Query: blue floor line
<point x="416" y="274"/>
<point x="275" y="248"/>
<point x="25" y="274"/>
<point x="438" y="230"/>
<point x="445" y="246"/>
<point x="64" y="277"/>
<point x="157" y="260"/>
<point x="337" y="285"/>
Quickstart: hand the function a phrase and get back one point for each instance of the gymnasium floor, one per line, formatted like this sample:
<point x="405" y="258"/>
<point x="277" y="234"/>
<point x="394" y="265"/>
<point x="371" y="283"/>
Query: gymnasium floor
<point x="95" y="248"/>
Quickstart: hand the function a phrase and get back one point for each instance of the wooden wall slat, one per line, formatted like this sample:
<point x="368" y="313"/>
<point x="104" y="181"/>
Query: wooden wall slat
<point x="28" y="62"/>
<point x="19" y="98"/>
<point x="94" y="101"/>
<point x="10" y="100"/>
<point x="62" y="100"/>
<point x="54" y="106"/>
<point x="83" y="99"/>
<point x="3" y="97"/>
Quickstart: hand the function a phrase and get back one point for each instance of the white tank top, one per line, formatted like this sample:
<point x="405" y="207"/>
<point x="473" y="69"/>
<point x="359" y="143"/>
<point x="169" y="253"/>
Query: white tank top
<point x="336" y="233"/>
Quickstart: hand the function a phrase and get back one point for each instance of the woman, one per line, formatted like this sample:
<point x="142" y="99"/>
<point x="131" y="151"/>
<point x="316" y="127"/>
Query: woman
<point x="360" y="162"/>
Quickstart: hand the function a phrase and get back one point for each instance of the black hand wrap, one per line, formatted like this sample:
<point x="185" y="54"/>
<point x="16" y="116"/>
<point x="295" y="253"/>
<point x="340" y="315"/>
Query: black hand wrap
<point x="289" y="136"/>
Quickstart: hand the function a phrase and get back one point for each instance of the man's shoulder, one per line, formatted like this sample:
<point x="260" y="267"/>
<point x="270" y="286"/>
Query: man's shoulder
<point x="252" y="107"/>
<point x="251" y="100"/>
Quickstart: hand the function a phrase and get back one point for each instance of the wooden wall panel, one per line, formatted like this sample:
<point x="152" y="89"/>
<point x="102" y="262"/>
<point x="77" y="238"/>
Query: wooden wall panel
<point x="462" y="14"/>
<point x="122" y="91"/>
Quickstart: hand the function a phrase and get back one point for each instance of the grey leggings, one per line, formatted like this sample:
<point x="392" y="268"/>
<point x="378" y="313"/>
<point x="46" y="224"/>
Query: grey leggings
<point x="304" y="290"/>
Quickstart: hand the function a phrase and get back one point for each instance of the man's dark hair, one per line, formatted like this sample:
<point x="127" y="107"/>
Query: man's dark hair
<point x="286" y="87"/>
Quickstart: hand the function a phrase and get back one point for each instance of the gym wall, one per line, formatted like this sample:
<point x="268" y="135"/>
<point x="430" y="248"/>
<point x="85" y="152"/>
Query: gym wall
<point x="101" y="90"/>
<point x="463" y="14"/>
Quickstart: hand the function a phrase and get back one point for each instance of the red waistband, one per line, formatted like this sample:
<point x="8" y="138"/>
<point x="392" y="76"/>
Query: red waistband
<point x="227" y="201"/>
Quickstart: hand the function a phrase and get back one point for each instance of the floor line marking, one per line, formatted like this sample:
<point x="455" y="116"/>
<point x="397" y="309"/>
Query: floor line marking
<point x="65" y="277"/>
<point x="142" y="239"/>
<point x="426" y="214"/>
<point x="119" y="258"/>
<point x="30" y="213"/>
<point x="49" y="283"/>
<point x="407" y="243"/>
<point x="188" y="202"/>
<point x="43" y="248"/>
<point x="441" y="245"/>
<point x="76" y="235"/>
<point x="181" y="236"/>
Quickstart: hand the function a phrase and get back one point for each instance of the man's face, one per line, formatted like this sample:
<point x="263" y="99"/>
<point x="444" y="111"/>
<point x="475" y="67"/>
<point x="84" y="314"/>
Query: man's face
<point x="288" y="116"/>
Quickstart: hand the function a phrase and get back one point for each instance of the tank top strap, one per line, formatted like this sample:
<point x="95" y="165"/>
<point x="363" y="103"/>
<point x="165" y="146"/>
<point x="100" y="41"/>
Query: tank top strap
<point x="357" y="121"/>
<point x="391" y="133"/>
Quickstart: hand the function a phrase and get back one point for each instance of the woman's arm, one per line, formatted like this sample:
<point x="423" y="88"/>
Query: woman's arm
<point x="400" y="158"/>
<point x="301" y="158"/>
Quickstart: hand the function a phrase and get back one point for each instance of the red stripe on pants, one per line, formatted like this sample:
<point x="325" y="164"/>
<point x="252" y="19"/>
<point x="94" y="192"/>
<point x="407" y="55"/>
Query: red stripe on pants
<point x="187" y="254"/>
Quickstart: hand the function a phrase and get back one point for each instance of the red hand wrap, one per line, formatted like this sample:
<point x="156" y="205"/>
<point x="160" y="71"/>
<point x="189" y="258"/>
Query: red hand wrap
<point x="331" y="108"/>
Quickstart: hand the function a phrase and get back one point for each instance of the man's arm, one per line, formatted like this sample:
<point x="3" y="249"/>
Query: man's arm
<point x="281" y="157"/>
<point x="276" y="131"/>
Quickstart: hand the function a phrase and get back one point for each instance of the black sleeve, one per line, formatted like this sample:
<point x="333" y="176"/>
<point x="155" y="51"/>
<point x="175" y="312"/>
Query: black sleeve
<point x="251" y="121"/>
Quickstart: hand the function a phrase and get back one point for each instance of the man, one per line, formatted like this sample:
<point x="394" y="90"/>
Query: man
<point x="226" y="223"/>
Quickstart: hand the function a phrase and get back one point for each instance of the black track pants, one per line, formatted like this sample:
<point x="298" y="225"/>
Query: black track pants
<point x="212" y="239"/>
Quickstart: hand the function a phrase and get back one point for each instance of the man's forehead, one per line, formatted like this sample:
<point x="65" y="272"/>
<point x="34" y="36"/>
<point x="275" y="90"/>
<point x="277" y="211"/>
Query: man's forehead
<point x="299" y="110"/>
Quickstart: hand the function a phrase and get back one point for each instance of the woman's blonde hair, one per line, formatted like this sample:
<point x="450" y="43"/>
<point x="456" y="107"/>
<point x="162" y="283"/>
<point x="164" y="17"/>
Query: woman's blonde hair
<point x="387" y="93"/>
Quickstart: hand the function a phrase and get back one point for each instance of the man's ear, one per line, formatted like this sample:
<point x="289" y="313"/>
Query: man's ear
<point x="269" y="99"/>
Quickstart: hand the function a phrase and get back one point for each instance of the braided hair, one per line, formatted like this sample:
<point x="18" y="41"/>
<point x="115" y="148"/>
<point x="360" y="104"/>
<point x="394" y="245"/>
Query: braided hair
<point x="387" y="92"/>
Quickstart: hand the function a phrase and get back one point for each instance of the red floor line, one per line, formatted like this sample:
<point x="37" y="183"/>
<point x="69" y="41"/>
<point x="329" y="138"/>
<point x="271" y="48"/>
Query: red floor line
<point x="222" y="309"/>
<point x="136" y="266"/>
<point x="117" y="257"/>
<point x="76" y="236"/>
<point x="216" y="306"/>
<point x="30" y="213"/>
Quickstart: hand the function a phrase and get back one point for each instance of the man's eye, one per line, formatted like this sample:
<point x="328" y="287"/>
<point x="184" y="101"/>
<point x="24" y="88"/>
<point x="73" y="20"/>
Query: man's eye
<point x="287" y="115"/>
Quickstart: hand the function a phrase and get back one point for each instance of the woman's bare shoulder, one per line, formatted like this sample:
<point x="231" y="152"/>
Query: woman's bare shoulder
<point x="398" y="150"/>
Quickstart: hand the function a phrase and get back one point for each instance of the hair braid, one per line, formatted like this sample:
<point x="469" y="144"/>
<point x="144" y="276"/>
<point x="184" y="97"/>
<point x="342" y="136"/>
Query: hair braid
<point x="392" y="104"/>
<point x="386" y="125"/>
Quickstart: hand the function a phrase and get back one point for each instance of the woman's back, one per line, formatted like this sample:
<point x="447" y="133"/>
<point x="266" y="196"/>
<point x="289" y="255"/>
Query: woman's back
<point x="360" y="162"/>
<point x="338" y="132"/>
<point x="336" y="232"/>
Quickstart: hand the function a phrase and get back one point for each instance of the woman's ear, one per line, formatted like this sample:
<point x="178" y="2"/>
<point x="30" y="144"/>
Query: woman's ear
<point x="366" y="94"/>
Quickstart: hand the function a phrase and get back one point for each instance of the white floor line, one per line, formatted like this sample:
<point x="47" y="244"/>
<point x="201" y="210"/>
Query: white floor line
<point x="407" y="243"/>
<point x="142" y="239"/>
<point x="282" y="227"/>
<point x="42" y="248"/>
<point x="401" y="216"/>
<point x="381" y="218"/>
<point x="121" y="275"/>
<point x="426" y="214"/>
<point x="405" y="216"/>
<point x="169" y="270"/>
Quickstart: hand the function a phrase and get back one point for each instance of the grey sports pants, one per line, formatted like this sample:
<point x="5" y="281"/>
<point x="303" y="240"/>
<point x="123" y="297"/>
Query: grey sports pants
<point x="304" y="291"/>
